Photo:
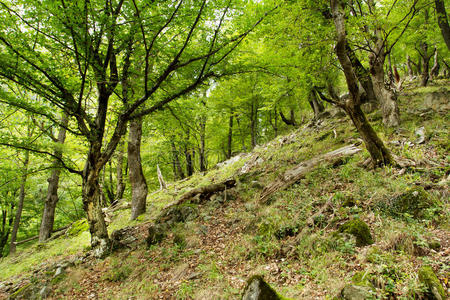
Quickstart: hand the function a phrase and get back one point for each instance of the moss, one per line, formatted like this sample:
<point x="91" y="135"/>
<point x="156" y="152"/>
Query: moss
<point x="362" y="278"/>
<point x="435" y="245"/>
<point x="429" y="279"/>
<point x="258" y="289"/>
<point x="22" y="293"/>
<point x="415" y="202"/>
<point x="78" y="227"/>
<point x="359" y="230"/>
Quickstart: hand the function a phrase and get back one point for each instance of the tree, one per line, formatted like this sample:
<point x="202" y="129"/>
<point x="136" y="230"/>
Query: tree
<point x="379" y="153"/>
<point x="51" y="199"/>
<point x="84" y="65"/>
<point x="443" y="21"/>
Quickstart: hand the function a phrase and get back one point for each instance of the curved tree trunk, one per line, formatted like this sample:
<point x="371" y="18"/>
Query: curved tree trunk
<point x="443" y="21"/>
<point x="137" y="180"/>
<point x="18" y="216"/>
<point x="379" y="153"/>
<point x="315" y="104"/>
<point x="48" y="215"/>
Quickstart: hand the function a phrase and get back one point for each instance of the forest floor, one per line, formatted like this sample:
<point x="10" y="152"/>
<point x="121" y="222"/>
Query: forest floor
<point x="292" y="239"/>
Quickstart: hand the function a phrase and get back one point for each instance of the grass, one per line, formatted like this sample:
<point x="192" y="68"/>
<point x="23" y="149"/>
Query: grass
<point x="228" y="243"/>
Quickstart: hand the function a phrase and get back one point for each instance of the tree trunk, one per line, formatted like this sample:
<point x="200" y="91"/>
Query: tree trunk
<point x="162" y="183"/>
<point x="425" y="76"/>
<point x="137" y="180"/>
<point x="409" y="66"/>
<point x="202" y="152"/>
<point x="434" y="72"/>
<point x="385" y="95"/>
<point x="6" y="227"/>
<point x="230" y="136"/>
<point x="379" y="153"/>
<point x="253" y="123"/>
<point x="100" y="242"/>
<point x="120" y="187"/>
<point x="48" y="216"/>
<point x="18" y="216"/>
<point x="177" y="170"/>
<point x="443" y="21"/>
<point x="189" y="166"/>
<point x="315" y="104"/>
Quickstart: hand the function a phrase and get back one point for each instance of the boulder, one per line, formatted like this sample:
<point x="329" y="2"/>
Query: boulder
<point x="258" y="289"/>
<point x="434" y="289"/>
<point x="156" y="233"/>
<point x="356" y="292"/>
<point x="359" y="230"/>
<point x="414" y="202"/>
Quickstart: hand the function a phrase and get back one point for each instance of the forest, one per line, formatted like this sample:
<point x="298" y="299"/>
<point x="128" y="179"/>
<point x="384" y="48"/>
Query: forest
<point x="224" y="149"/>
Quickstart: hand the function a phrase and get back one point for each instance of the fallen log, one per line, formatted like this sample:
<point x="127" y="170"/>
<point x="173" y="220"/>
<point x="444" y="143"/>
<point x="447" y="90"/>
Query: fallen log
<point x="298" y="172"/>
<point x="204" y="192"/>
<point x="37" y="236"/>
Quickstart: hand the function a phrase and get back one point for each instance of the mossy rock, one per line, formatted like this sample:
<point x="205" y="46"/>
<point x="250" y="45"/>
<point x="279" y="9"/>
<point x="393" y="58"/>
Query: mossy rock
<point x="414" y="202"/>
<point x="356" y="292"/>
<point x="359" y="230"/>
<point x="428" y="278"/>
<point x="78" y="227"/>
<point x="362" y="278"/>
<point x="156" y="234"/>
<point x="258" y="289"/>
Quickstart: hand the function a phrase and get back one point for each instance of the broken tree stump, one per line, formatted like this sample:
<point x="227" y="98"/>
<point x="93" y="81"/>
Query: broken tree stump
<point x="299" y="171"/>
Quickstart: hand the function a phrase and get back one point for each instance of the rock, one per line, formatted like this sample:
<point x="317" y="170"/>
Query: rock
<point x="438" y="100"/>
<point x="58" y="271"/>
<point x="258" y="289"/>
<point x="256" y="185"/>
<point x="434" y="289"/>
<point x="179" y="213"/>
<point x="356" y="292"/>
<point x="122" y="237"/>
<point x="156" y="233"/>
<point x="420" y="133"/>
<point x="359" y="230"/>
<point x="414" y="202"/>
<point x="44" y="292"/>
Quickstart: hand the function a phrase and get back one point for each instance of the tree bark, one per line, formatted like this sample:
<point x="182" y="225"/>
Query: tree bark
<point x="120" y="187"/>
<point x="409" y="66"/>
<point x="202" y="152"/>
<point x="138" y="183"/>
<point x="188" y="156"/>
<point x="177" y="170"/>
<point x="287" y="121"/>
<point x="434" y="72"/>
<point x="7" y="222"/>
<point x="379" y="153"/>
<point x="48" y="215"/>
<point x="230" y="136"/>
<point x="162" y="183"/>
<point x="18" y="216"/>
<point x="315" y="104"/>
<point x="253" y="122"/>
<point x="425" y="76"/>
<point x="443" y="21"/>
<point x="385" y="95"/>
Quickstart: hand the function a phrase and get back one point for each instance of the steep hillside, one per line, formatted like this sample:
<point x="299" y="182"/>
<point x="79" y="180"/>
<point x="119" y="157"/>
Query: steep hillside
<point x="339" y="229"/>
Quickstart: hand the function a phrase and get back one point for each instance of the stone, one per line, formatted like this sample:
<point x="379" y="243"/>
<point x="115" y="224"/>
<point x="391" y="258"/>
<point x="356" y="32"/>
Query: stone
<point x="44" y="292"/>
<point x="156" y="233"/>
<point x="356" y="292"/>
<point x="434" y="289"/>
<point x="58" y="271"/>
<point x="258" y="289"/>
<point x="359" y="230"/>
<point x="415" y="201"/>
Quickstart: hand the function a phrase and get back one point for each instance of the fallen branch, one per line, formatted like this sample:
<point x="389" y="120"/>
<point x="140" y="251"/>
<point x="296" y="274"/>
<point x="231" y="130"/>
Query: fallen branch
<point x="37" y="236"/>
<point x="204" y="192"/>
<point x="298" y="172"/>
